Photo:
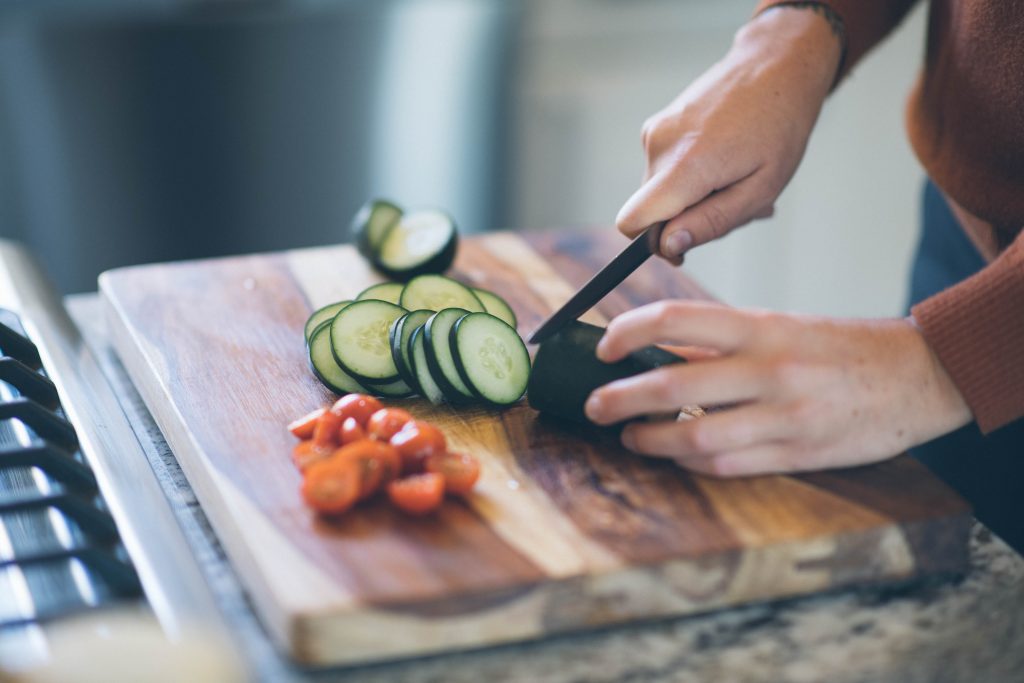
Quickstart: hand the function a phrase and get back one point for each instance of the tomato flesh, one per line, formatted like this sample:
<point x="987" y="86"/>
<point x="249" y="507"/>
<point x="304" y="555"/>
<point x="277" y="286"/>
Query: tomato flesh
<point x="416" y="442"/>
<point x="418" y="494"/>
<point x="304" y="426"/>
<point x="375" y="461"/>
<point x="331" y="486"/>
<point x="306" y="453"/>
<point x="359" y="406"/>
<point x="351" y="431"/>
<point x="460" y="471"/>
<point x="328" y="430"/>
<point x="387" y="422"/>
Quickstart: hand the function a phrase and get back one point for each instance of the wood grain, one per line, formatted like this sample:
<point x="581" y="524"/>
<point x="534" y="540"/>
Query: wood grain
<point x="566" y="529"/>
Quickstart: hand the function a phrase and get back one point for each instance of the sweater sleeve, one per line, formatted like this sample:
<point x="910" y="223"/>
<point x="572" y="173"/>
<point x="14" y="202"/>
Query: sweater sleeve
<point x="976" y="328"/>
<point x="865" y="23"/>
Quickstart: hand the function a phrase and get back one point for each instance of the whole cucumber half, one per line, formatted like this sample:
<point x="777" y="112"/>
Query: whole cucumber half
<point x="420" y="242"/>
<point x="371" y="224"/>
<point x="566" y="369"/>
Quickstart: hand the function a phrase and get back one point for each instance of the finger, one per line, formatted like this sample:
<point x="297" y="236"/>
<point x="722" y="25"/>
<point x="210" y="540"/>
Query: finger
<point x="665" y="195"/>
<point x="706" y="383"/>
<point x="766" y="458"/>
<point x="727" y="431"/>
<point x="686" y="322"/>
<point x="691" y="353"/>
<point x="714" y="216"/>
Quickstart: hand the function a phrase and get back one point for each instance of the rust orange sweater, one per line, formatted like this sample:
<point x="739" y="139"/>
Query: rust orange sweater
<point x="965" y="119"/>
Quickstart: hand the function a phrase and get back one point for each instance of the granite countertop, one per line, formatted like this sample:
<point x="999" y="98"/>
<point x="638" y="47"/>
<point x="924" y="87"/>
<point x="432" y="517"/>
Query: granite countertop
<point x="970" y="629"/>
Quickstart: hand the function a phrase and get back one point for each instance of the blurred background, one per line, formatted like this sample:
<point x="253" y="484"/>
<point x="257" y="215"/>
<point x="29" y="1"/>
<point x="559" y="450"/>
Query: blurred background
<point x="142" y="131"/>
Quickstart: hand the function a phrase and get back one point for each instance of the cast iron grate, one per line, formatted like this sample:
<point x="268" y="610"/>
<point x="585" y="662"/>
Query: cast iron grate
<point x="60" y="552"/>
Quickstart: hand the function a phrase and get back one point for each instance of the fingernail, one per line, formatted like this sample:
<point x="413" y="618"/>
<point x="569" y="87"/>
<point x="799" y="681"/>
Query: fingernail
<point x="593" y="408"/>
<point x="628" y="440"/>
<point x="678" y="242"/>
<point x="602" y="348"/>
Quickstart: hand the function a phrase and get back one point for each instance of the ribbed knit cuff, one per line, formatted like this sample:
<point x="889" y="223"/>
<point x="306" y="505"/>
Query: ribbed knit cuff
<point x="976" y="328"/>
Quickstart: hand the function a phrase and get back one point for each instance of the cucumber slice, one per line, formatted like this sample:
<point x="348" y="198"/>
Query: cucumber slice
<point x="322" y="315"/>
<point x="418" y="356"/>
<point x="399" y="335"/>
<point x="436" y="292"/>
<point x="496" y="306"/>
<point x="399" y="388"/>
<point x="326" y="369"/>
<point x="359" y="340"/>
<point x="566" y="369"/>
<point x="491" y="358"/>
<point x="421" y="242"/>
<point x="438" y="345"/>
<point x="383" y="291"/>
<point x="371" y="223"/>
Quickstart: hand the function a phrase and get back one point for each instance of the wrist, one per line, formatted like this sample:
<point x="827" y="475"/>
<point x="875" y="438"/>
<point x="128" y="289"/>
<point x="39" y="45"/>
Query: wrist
<point x="800" y="40"/>
<point x="947" y="410"/>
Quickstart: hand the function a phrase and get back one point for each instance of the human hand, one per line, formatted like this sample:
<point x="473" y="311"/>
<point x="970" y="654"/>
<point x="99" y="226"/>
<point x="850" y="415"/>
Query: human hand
<point x="720" y="154"/>
<point x="800" y="392"/>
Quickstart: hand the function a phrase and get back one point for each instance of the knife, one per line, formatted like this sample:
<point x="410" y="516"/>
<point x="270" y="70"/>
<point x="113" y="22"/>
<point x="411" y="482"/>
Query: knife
<point x="618" y="269"/>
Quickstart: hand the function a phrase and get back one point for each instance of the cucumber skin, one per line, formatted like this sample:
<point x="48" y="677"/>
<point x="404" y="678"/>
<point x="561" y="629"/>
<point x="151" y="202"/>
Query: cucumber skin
<point x="359" y="230"/>
<point x="566" y="370"/>
<point x="451" y="394"/>
<point x="405" y="370"/>
<point x="323" y="380"/>
<point x="435" y="265"/>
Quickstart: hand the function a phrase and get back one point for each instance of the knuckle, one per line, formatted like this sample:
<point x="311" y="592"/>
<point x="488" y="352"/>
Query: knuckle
<point x="650" y="131"/>
<point x="716" y="220"/>
<point x="697" y="438"/>
<point x="662" y="388"/>
<point x="664" y="314"/>
<point x="721" y="466"/>
<point x="801" y="411"/>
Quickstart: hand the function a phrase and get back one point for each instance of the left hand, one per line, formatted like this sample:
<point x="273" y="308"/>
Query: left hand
<point x="802" y="393"/>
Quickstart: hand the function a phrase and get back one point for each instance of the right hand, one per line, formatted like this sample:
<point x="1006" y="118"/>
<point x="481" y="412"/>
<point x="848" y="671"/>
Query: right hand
<point x="720" y="154"/>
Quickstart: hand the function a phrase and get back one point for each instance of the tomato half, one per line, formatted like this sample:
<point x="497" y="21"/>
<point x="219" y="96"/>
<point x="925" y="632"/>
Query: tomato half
<point x="331" y="486"/>
<point x="416" y="442"/>
<point x="351" y="431"/>
<point x="460" y="471"/>
<point x="359" y="406"/>
<point x="306" y="453"/>
<point x="328" y="430"/>
<point x="375" y="460"/>
<point x="387" y="422"/>
<point x="303" y="427"/>
<point x="418" y="494"/>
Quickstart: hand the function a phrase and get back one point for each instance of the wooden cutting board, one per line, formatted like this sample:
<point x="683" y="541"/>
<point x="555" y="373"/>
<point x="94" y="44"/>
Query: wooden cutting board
<point x="566" y="531"/>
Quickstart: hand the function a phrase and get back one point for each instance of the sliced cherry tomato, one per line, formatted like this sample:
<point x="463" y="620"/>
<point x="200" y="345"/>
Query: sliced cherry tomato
<point x="351" y="431"/>
<point x="460" y="471"/>
<point x="359" y="406"/>
<point x="418" y="494"/>
<point x="391" y="463"/>
<point x="376" y="462"/>
<point x="328" y="430"/>
<point x="331" y="486"/>
<point x="307" y="453"/>
<point x="387" y="422"/>
<point x="416" y="442"/>
<point x="303" y="427"/>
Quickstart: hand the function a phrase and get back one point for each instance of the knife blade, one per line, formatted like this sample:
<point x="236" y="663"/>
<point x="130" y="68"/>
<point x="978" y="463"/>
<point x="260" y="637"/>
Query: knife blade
<point x="605" y="280"/>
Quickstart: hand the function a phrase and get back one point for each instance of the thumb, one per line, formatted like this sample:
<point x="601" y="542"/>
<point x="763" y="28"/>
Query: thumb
<point x="713" y="217"/>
